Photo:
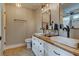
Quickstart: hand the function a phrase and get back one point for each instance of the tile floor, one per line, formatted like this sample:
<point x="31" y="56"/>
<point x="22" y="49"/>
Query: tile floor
<point x="21" y="51"/>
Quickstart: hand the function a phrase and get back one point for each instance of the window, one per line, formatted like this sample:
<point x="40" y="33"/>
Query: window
<point x="75" y="21"/>
<point x="66" y="20"/>
<point x="76" y="16"/>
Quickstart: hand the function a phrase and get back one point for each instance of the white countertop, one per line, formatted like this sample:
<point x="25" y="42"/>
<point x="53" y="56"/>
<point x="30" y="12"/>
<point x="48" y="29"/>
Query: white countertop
<point x="67" y="41"/>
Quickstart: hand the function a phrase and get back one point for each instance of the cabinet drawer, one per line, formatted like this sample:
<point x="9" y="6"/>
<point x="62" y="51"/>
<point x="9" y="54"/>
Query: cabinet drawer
<point x="49" y="46"/>
<point x="35" y="51"/>
<point x="60" y="52"/>
<point x="63" y="52"/>
<point x="53" y="50"/>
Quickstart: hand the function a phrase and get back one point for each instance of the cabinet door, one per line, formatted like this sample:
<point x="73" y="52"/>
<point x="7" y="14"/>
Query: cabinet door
<point x="51" y="51"/>
<point x="41" y="47"/>
<point x="41" y="43"/>
<point x="48" y="49"/>
<point x="35" y="45"/>
<point x="41" y="52"/>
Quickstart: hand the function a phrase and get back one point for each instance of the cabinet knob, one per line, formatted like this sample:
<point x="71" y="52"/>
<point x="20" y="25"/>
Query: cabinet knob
<point x="40" y="50"/>
<point x="33" y="43"/>
<point x="40" y="43"/>
<point x="0" y="38"/>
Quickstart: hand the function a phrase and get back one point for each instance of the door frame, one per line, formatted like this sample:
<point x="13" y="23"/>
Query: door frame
<point x="4" y="27"/>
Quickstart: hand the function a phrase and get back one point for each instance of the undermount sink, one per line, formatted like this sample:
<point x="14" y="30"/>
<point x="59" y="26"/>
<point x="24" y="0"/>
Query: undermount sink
<point x="46" y="35"/>
<point x="39" y="34"/>
<point x="49" y="35"/>
<point x="67" y="41"/>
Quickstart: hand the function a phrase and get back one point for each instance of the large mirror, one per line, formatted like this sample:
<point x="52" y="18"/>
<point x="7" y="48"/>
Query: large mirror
<point x="70" y="14"/>
<point x="69" y="19"/>
<point x="46" y="22"/>
<point x="46" y="18"/>
<point x="50" y="19"/>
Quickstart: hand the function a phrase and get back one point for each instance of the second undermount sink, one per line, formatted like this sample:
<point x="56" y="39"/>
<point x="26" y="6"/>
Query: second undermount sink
<point x="67" y="41"/>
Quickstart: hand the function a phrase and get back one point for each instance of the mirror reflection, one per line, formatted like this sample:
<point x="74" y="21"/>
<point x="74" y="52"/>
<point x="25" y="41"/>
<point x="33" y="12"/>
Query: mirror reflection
<point x="69" y="19"/>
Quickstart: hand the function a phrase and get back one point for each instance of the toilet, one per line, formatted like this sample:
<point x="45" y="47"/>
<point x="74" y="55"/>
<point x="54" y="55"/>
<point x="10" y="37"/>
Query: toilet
<point x="28" y="42"/>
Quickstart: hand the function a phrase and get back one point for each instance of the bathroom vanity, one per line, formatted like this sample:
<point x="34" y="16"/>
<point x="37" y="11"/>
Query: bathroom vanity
<point x="54" y="46"/>
<point x="58" y="22"/>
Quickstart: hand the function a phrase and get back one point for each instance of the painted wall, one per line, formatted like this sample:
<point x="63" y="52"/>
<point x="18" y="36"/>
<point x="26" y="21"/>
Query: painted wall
<point x="18" y="31"/>
<point x="0" y="28"/>
<point x="38" y="21"/>
<point x="0" y="17"/>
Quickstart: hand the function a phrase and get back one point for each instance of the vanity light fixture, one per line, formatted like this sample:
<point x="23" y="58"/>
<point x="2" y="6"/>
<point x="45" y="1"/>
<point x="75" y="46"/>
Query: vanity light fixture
<point x="18" y="4"/>
<point x="44" y="6"/>
<point x="42" y="9"/>
<point x="47" y="5"/>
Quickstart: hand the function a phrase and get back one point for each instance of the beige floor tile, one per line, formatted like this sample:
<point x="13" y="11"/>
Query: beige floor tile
<point x="20" y="51"/>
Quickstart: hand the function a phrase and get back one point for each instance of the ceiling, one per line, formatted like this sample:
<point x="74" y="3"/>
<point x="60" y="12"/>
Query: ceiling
<point x="69" y="7"/>
<point x="66" y="6"/>
<point x="33" y="6"/>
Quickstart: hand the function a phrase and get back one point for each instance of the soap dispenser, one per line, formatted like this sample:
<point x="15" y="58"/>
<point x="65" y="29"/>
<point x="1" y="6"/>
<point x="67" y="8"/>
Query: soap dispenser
<point x="56" y="29"/>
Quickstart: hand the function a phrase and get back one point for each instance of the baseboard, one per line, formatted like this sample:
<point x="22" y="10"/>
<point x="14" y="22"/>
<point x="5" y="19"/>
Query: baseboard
<point x="14" y="46"/>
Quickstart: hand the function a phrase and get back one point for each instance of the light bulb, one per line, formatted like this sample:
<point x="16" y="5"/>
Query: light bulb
<point x="47" y="5"/>
<point x="18" y="5"/>
<point x="42" y="9"/>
